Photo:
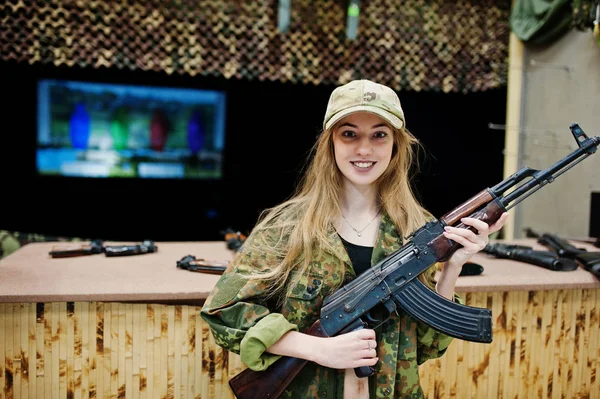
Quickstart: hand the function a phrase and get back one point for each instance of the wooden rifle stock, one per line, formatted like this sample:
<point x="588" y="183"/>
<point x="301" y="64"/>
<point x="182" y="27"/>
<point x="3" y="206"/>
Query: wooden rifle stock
<point x="272" y="382"/>
<point x="444" y="248"/>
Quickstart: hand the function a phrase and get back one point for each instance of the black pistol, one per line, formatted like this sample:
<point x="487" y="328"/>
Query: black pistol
<point x="522" y="253"/>
<point x="234" y="239"/>
<point x="189" y="262"/>
<point x="145" y="247"/>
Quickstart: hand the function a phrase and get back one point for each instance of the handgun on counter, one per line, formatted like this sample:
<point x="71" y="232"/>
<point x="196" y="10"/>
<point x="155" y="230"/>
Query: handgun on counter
<point x="147" y="246"/>
<point x="234" y="239"/>
<point x="189" y="262"/>
<point x="70" y="250"/>
<point x="98" y="247"/>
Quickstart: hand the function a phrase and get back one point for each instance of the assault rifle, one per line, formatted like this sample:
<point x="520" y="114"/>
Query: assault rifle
<point x="590" y="261"/>
<point x="98" y="247"/>
<point x="392" y="283"/>
<point x="522" y="253"/>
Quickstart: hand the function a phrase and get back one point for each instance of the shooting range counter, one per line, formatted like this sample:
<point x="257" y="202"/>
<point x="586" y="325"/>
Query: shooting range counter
<point x="97" y="326"/>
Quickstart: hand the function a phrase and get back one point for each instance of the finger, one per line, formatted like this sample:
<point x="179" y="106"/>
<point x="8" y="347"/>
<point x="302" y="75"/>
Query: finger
<point x="480" y="225"/>
<point x="468" y="234"/>
<point x="469" y="247"/>
<point x="499" y="223"/>
<point x="367" y="361"/>
<point x="366" y="333"/>
<point x="371" y="344"/>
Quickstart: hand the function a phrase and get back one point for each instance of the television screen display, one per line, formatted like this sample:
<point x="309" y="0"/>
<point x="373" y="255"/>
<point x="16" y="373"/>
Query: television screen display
<point x="104" y="130"/>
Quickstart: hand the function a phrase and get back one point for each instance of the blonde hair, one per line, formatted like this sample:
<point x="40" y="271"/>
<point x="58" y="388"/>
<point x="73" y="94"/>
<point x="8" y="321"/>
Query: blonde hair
<point x="304" y="221"/>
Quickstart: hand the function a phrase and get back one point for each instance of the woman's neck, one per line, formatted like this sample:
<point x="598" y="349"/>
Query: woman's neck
<point x="359" y="221"/>
<point x="359" y="201"/>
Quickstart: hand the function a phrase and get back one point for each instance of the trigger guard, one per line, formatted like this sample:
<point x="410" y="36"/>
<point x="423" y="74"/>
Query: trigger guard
<point x="371" y="319"/>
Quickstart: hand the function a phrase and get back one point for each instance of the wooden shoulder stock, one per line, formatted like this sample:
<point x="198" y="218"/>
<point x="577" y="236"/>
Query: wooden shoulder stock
<point x="270" y="383"/>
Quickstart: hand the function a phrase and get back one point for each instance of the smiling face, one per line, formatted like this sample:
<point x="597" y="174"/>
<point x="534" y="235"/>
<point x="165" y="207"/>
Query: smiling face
<point x="363" y="144"/>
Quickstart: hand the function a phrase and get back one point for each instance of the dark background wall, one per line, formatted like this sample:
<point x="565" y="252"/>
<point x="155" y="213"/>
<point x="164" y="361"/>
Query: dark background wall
<point x="270" y="128"/>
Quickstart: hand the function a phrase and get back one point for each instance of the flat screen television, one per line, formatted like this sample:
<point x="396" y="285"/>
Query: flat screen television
<point x="104" y="130"/>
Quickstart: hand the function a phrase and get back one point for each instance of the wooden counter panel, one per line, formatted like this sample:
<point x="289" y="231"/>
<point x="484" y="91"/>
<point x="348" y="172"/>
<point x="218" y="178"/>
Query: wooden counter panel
<point x="545" y="344"/>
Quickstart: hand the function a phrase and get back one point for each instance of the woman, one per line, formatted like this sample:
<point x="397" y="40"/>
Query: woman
<point x="351" y="210"/>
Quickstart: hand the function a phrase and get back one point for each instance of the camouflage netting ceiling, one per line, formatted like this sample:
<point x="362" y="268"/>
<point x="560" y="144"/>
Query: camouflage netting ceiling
<point x="435" y="45"/>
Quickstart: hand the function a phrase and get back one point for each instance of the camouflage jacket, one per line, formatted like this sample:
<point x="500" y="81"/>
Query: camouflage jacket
<point x="242" y="322"/>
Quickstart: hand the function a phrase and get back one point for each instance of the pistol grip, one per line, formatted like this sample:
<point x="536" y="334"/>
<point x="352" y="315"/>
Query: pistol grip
<point x="364" y="371"/>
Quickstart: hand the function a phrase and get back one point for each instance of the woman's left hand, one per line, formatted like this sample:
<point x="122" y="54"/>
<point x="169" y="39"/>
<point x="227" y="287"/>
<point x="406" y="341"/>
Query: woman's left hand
<point x="471" y="242"/>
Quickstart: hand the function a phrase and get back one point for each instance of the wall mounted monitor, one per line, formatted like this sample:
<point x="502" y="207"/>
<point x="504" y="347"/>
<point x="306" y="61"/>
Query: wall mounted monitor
<point x="106" y="130"/>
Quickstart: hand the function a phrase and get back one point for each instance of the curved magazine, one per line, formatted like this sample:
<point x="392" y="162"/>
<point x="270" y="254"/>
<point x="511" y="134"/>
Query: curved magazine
<point x="459" y="321"/>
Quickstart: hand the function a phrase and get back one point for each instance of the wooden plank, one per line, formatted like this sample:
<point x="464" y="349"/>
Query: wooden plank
<point x="530" y="345"/>
<point x="27" y="355"/>
<point x="128" y="352"/>
<point x="84" y="310"/>
<point x="9" y="352"/>
<point x="570" y="336"/>
<point x="170" y="337"/>
<point x="143" y="349"/>
<point x="97" y="348"/>
<point x="32" y="359"/>
<point x="115" y="350"/>
<point x="55" y="372"/>
<point x="185" y="350"/>
<point x="158" y="358"/>
<point x="17" y="375"/>
<point x="547" y="360"/>
<point x="594" y="353"/>
<point x="582" y="338"/>
<point x="62" y="349"/>
<point x="3" y="323"/>
<point x="585" y="320"/>
<point x="559" y="370"/>
<point x="176" y="334"/>
<point x="497" y="346"/>
<point x="135" y="350"/>
<point x="164" y="351"/>
<point x="39" y="350"/>
<point x="77" y="350"/>
<point x="521" y="304"/>
<point x="483" y="357"/>
<point x="199" y="388"/>
<point x="70" y="350"/>
<point x="122" y="339"/>
<point x="107" y="351"/>
<point x="150" y="321"/>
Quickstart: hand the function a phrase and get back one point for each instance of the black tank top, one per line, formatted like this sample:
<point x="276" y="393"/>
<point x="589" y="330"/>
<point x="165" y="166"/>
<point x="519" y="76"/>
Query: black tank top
<point x="360" y="256"/>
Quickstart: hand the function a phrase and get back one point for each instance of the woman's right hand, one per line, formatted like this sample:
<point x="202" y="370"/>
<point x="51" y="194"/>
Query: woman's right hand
<point x="347" y="351"/>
